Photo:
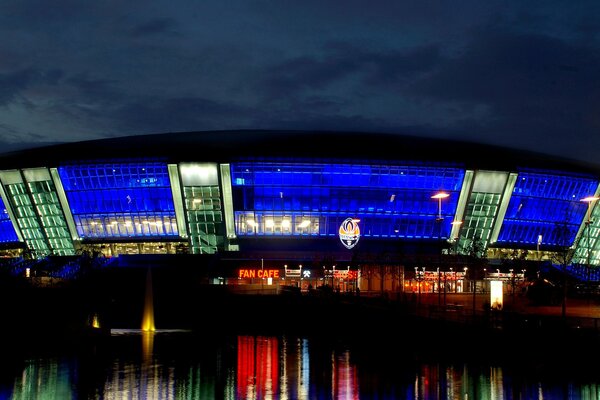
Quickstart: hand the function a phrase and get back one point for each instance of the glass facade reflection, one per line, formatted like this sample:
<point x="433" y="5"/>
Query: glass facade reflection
<point x="120" y="200"/>
<point x="286" y="199"/>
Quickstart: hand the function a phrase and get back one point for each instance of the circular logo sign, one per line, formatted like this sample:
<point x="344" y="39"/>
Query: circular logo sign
<point x="349" y="232"/>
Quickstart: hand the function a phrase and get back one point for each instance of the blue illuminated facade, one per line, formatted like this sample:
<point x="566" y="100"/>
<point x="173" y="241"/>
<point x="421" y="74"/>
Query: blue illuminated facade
<point x="546" y="204"/>
<point x="391" y="201"/>
<point x="7" y="231"/>
<point x="120" y="200"/>
<point x="222" y="195"/>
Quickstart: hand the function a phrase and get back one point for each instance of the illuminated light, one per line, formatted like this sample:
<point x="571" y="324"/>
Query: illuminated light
<point x="439" y="196"/>
<point x="496" y="293"/>
<point x="27" y="272"/>
<point x="251" y="222"/>
<point x="93" y="223"/>
<point x="145" y="222"/>
<point x="148" y="317"/>
<point x="349" y="232"/>
<point x="304" y="224"/>
<point x="159" y="222"/>
<point x="392" y="198"/>
<point x="196" y="201"/>
<point x="356" y="220"/>
<point x="258" y="273"/>
<point x="269" y="223"/>
<point x="114" y="223"/>
<point x="95" y="322"/>
<point x="589" y="199"/>
<point x="285" y="223"/>
<point x="456" y="222"/>
<point x="127" y="223"/>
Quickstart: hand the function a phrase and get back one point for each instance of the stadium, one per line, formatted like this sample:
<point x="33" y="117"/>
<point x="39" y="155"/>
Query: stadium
<point x="360" y="210"/>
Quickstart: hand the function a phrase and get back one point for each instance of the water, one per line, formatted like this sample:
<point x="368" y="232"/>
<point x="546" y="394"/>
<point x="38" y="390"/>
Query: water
<point x="181" y="365"/>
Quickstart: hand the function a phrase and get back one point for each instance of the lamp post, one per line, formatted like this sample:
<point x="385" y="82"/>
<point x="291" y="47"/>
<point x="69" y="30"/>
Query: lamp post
<point x="418" y="285"/>
<point x="439" y="196"/>
<point x="333" y="278"/>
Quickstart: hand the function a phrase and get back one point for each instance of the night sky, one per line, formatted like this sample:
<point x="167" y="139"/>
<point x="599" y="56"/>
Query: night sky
<point x="522" y="74"/>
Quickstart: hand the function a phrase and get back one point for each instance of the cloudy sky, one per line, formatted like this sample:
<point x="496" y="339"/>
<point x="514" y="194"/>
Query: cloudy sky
<point x="522" y="74"/>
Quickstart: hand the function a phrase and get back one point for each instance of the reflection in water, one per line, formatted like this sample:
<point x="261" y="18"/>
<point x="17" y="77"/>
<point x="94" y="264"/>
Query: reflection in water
<point x="43" y="379"/>
<point x="257" y="367"/>
<point x="179" y="365"/>
<point x="345" y="382"/>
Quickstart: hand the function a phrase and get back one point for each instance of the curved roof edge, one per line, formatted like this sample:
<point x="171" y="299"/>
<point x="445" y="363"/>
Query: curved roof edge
<point x="231" y="145"/>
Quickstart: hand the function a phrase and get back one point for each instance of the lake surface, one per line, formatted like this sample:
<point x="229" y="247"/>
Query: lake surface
<point x="129" y="364"/>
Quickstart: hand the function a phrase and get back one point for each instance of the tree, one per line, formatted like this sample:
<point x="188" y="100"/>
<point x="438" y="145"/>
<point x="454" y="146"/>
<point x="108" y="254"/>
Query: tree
<point x="478" y="260"/>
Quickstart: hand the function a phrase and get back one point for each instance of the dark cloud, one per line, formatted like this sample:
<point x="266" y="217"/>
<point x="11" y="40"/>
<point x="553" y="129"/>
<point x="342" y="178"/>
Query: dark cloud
<point x="340" y="62"/>
<point x="11" y="84"/>
<point x="177" y="114"/>
<point x="517" y="74"/>
<point x="155" y="27"/>
<point x="534" y="89"/>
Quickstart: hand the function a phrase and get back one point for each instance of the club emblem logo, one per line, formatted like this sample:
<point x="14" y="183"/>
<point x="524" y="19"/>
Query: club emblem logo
<point x="349" y="232"/>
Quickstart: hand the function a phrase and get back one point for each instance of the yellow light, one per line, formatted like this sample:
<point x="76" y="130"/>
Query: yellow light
<point x="148" y="317"/>
<point x="496" y="294"/>
<point x="95" y="322"/>
<point x="285" y="223"/>
<point x="441" y="195"/>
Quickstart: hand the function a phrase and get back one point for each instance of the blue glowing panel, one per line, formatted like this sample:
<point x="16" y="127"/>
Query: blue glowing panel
<point x="314" y="199"/>
<point x="547" y="205"/>
<point x="120" y="200"/>
<point x="7" y="230"/>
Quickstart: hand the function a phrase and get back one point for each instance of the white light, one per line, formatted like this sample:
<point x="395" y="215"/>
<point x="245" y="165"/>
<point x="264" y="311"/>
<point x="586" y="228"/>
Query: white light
<point x="590" y="199"/>
<point x="496" y="294"/>
<point x="251" y="222"/>
<point x="304" y="223"/>
<point x="269" y="223"/>
<point x="285" y="223"/>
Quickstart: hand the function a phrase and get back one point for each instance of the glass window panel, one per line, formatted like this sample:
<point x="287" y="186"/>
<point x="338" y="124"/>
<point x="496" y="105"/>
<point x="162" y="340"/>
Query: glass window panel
<point x="546" y="204"/>
<point x="120" y="199"/>
<point x="332" y="192"/>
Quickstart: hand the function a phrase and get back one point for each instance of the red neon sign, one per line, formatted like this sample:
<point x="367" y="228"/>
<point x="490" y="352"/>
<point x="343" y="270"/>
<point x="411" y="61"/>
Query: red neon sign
<point x="258" y="273"/>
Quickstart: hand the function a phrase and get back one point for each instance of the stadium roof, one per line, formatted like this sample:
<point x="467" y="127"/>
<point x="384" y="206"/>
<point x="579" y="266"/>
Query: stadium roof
<point x="226" y="146"/>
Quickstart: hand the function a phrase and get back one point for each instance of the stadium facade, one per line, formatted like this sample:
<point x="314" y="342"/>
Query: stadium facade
<point x="286" y="197"/>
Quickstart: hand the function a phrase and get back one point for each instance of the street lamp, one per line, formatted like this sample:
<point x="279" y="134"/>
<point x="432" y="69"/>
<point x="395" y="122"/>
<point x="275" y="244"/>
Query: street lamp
<point x="439" y="196"/>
